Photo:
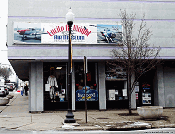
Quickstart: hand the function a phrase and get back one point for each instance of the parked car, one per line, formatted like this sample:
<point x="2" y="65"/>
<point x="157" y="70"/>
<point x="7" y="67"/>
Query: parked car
<point x="10" y="86"/>
<point x="2" y="91"/>
<point x="6" y="89"/>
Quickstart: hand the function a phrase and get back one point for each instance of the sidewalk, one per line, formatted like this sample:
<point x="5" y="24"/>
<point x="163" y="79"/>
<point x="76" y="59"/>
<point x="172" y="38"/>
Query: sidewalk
<point x="16" y="116"/>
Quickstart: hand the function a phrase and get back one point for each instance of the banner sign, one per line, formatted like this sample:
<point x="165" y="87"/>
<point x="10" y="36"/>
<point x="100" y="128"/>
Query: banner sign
<point x="91" y="94"/>
<point x="58" y="33"/>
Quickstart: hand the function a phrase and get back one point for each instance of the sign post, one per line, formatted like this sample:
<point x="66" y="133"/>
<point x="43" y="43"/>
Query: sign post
<point x="85" y="72"/>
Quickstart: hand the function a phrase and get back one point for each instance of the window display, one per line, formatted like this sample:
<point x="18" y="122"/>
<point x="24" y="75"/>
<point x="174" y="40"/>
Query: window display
<point x="91" y="94"/>
<point x="146" y="98"/>
<point x="111" y="94"/>
<point x="91" y="88"/>
<point x="115" y="79"/>
<point x="55" y="82"/>
<point x="146" y="93"/>
<point x="52" y="83"/>
<point x="115" y="73"/>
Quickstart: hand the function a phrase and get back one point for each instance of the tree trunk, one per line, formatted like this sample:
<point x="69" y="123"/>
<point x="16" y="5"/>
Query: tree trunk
<point x="129" y="90"/>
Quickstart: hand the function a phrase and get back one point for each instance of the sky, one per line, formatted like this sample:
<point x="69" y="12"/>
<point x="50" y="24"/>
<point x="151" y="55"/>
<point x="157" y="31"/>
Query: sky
<point x="3" y="23"/>
<point x="3" y="36"/>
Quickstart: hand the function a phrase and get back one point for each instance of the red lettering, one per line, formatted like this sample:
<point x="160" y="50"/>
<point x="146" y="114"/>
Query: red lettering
<point x="83" y="31"/>
<point x="58" y="29"/>
<point x="75" y="28"/>
<point x="62" y="28"/>
<point x="78" y="29"/>
<point x="53" y="31"/>
<point x="88" y="33"/>
<point x="49" y="33"/>
<point x="67" y="28"/>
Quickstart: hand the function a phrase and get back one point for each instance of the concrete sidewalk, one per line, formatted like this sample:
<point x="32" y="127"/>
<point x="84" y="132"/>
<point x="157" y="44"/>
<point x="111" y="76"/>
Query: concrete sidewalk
<point x="16" y="116"/>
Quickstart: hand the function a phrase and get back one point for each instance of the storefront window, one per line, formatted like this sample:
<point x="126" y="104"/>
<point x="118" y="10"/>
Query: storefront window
<point x="55" y="81"/>
<point x="91" y="80"/>
<point x="116" y="83"/>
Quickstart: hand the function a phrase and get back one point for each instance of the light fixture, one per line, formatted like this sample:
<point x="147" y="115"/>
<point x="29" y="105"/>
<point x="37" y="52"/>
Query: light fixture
<point x="69" y="116"/>
<point x="70" y="16"/>
<point x="59" y="68"/>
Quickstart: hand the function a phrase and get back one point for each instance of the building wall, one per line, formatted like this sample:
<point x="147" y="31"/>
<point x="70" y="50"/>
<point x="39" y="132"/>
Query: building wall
<point x="164" y="83"/>
<point x="159" y="16"/>
<point x="155" y="87"/>
<point x="36" y="102"/>
<point x="169" y="85"/>
<point x="161" y="87"/>
<point x="102" y="87"/>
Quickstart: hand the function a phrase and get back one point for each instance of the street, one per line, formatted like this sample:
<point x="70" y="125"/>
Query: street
<point x="148" y="131"/>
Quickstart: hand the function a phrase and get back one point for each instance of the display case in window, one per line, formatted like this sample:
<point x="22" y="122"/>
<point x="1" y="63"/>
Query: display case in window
<point x="115" y="80"/>
<point x="114" y="74"/>
<point x="111" y="94"/>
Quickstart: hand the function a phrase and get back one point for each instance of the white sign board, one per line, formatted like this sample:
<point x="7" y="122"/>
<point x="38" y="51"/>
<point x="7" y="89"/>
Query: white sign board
<point x="124" y="92"/>
<point x="58" y="33"/>
<point x="111" y="94"/>
<point x="47" y="87"/>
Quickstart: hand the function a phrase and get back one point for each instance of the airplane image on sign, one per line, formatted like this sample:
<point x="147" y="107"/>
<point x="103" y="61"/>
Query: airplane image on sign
<point x="109" y="33"/>
<point x="28" y="33"/>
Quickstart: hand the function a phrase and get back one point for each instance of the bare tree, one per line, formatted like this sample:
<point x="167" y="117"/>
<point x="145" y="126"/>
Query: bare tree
<point x="5" y="72"/>
<point x="134" y="53"/>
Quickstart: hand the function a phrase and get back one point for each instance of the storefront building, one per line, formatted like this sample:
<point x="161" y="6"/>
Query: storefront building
<point x="37" y="43"/>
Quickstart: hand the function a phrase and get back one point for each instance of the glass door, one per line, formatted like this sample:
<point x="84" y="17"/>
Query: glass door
<point x="55" y="85"/>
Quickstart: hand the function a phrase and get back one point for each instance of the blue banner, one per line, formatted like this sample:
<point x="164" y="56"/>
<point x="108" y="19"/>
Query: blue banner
<point x="91" y="94"/>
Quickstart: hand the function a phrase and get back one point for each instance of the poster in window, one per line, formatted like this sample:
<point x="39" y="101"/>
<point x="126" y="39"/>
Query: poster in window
<point x="136" y="88"/>
<point x="47" y="87"/>
<point x="137" y="96"/>
<point x="91" y="94"/>
<point x="116" y="92"/>
<point x="124" y="92"/>
<point x="146" y="98"/>
<point x="89" y="76"/>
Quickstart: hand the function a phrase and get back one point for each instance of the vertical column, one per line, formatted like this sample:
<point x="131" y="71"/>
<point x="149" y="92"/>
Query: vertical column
<point x="133" y="96"/>
<point x="73" y="87"/>
<point x="36" y="87"/>
<point x="155" y="88"/>
<point x="30" y="87"/>
<point x="160" y="85"/>
<point x="96" y="75"/>
<point x="102" y="89"/>
<point x="39" y="86"/>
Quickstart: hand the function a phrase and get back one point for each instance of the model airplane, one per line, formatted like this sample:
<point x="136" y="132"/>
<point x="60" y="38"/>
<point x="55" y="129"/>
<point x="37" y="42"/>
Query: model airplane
<point x="30" y="32"/>
<point x="109" y="35"/>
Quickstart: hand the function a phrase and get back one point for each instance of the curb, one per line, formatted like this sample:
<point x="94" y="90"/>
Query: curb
<point x="10" y="102"/>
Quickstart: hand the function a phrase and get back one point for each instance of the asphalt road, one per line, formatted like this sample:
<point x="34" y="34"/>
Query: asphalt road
<point x="157" y="131"/>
